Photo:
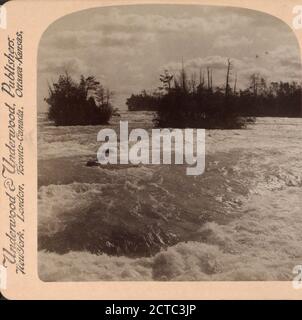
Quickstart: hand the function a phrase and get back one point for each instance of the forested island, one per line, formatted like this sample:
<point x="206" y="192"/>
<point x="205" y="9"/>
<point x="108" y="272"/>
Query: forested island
<point x="184" y="100"/>
<point x="144" y="101"/>
<point x="85" y="102"/>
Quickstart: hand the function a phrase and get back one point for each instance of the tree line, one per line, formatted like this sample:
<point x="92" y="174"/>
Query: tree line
<point x="144" y="101"/>
<point x="186" y="100"/>
<point x="183" y="100"/>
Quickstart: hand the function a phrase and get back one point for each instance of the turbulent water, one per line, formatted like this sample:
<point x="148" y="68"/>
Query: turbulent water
<point x="240" y="220"/>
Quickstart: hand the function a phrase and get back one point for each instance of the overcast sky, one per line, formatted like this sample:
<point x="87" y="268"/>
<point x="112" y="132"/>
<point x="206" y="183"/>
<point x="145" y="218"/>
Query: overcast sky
<point x="126" y="48"/>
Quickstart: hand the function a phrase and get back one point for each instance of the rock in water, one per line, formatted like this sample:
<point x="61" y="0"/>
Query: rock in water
<point x="92" y="163"/>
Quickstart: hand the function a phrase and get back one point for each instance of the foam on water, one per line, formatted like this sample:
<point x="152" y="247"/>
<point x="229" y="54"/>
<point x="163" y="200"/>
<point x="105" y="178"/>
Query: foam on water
<point x="57" y="142"/>
<point x="263" y="243"/>
<point x="240" y="221"/>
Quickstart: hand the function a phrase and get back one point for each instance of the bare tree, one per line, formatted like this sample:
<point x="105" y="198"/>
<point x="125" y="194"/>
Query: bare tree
<point x="193" y="82"/>
<point x="227" y="85"/>
<point x="183" y="76"/>
<point x="254" y="83"/>
<point x="235" y="84"/>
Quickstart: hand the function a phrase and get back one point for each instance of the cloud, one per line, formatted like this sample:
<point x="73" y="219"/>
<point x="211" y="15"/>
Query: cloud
<point x="119" y="29"/>
<point x="56" y="66"/>
<point x="227" y="41"/>
<point x="287" y="55"/>
<point x="115" y="21"/>
<point x="65" y="40"/>
<point x="119" y="39"/>
<point x="131" y="45"/>
<point x="281" y="64"/>
<point x="249" y="71"/>
<point x="214" y="62"/>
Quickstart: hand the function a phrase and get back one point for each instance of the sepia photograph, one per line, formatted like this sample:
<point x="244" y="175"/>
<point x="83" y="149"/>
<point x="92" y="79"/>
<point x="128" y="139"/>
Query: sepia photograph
<point x="169" y="145"/>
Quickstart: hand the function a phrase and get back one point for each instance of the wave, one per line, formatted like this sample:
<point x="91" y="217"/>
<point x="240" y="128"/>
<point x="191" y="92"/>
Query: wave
<point x="262" y="241"/>
<point x="240" y="220"/>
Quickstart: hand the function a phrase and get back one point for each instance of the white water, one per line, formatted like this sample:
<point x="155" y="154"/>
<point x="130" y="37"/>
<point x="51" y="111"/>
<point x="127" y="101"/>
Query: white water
<point x="241" y="220"/>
